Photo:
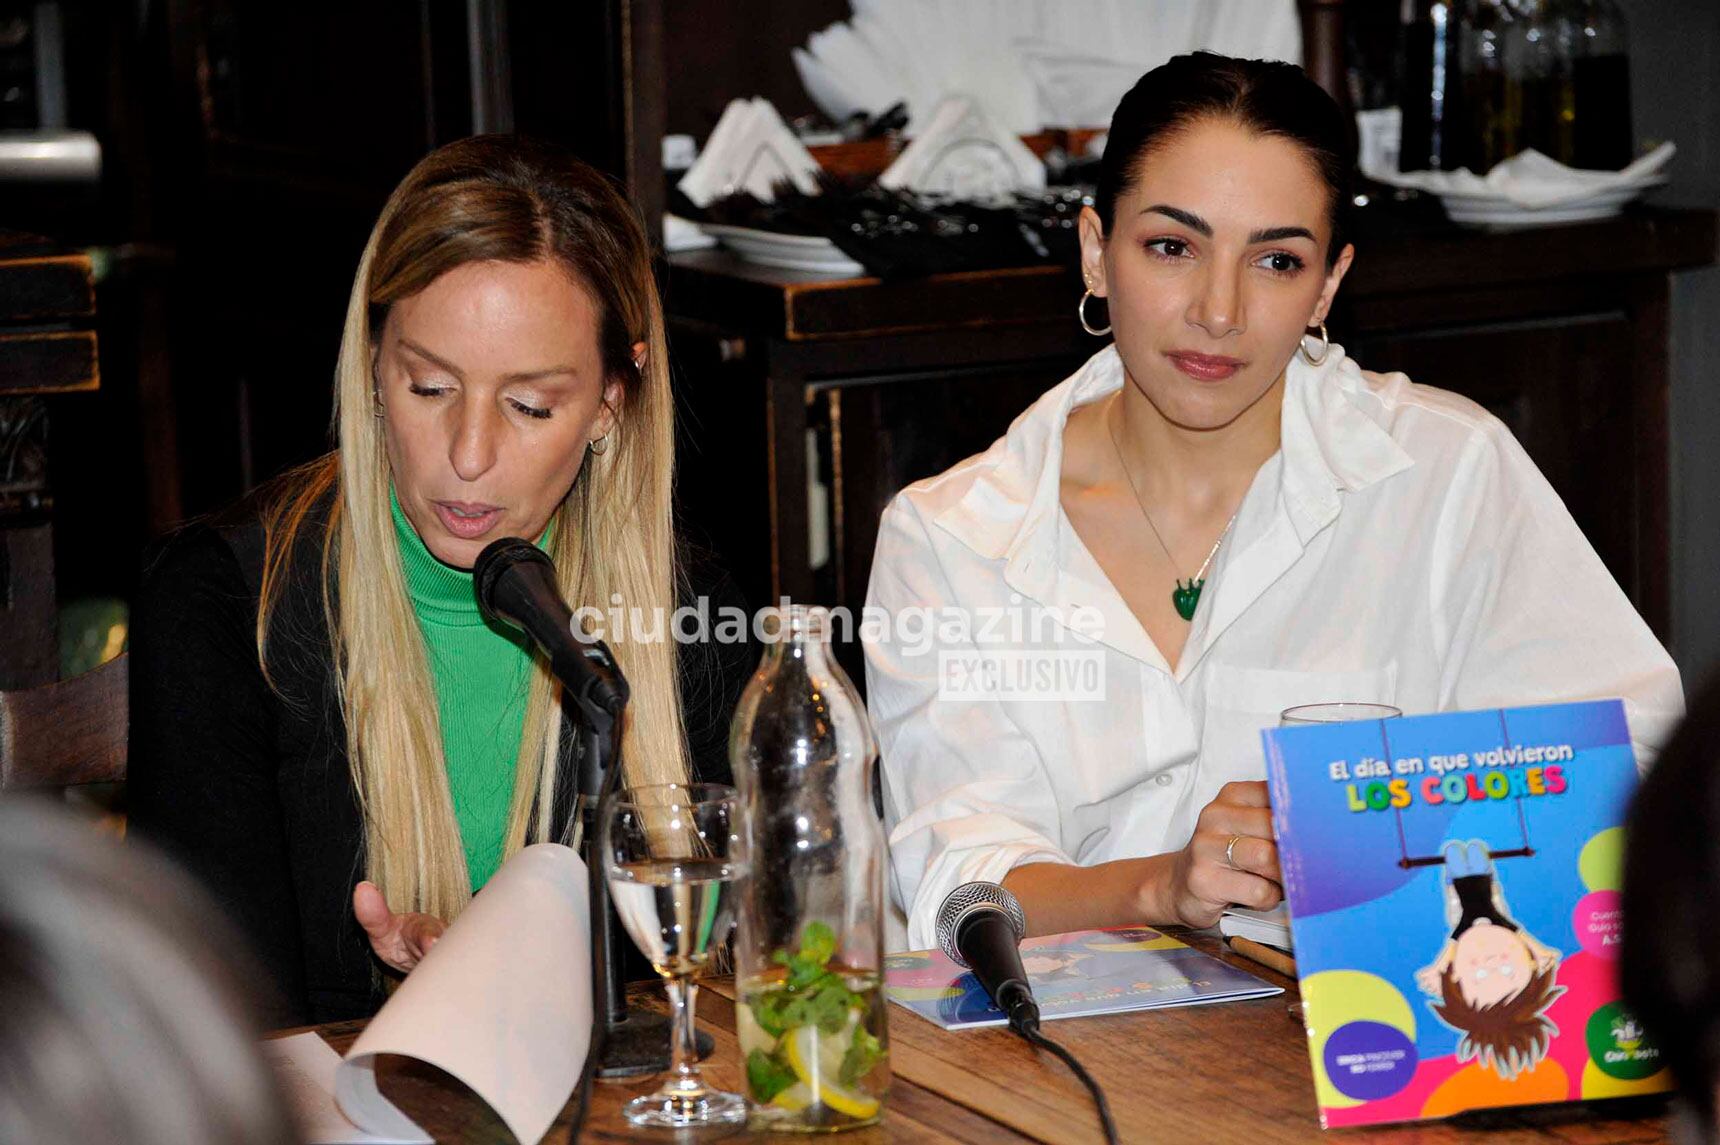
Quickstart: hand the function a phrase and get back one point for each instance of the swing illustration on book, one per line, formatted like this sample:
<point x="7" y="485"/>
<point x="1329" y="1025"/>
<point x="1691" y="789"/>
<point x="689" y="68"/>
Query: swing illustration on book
<point x="1492" y="981"/>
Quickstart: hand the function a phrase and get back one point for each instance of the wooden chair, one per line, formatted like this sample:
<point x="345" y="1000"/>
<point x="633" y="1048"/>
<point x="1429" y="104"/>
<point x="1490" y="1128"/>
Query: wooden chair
<point x="66" y="734"/>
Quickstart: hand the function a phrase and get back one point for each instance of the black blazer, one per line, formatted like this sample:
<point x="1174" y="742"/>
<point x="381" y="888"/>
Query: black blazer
<point x="249" y="786"/>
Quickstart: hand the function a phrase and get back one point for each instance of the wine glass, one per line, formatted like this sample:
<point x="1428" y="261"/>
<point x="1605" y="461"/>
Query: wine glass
<point x="1340" y="712"/>
<point x="672" y="853"/>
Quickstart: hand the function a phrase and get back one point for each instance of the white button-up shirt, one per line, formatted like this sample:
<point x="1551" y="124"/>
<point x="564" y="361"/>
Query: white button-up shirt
<point x="1399" y="548"/>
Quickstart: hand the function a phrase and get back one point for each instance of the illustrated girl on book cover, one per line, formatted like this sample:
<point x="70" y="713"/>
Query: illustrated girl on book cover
<point x="1493" y="980"/>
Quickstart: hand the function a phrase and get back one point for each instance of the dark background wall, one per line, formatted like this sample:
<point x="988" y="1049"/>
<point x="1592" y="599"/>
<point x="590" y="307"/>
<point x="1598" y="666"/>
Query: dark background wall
<point x="718" y="50"/>
<point x="1675" y="90"/>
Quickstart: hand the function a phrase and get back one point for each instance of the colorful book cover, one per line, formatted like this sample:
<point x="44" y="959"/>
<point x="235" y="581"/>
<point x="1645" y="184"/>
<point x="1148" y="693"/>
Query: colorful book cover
<point x="1074" y="975"/>
<point x="1453" y="886"/>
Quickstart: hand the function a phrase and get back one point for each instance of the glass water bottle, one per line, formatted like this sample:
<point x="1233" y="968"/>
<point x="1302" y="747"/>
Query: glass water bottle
<point x="1575" y="77"/>
<point x="809" y="945"/>
<point x="1492" y="91"/>
<point x="1434" y="129"/>
<point x="1601" y="89"/>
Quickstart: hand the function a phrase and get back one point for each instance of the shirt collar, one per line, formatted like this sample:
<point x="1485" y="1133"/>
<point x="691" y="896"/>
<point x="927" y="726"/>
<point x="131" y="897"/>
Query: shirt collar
<point x="1328" y="442"/>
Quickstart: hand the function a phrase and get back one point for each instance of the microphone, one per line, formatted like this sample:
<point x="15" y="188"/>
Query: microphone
<point x="515" y="584"/>
<point x="980" y="926"/>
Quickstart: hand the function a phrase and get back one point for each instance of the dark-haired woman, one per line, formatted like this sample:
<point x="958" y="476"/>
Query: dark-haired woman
<point x="1234" y="519"/>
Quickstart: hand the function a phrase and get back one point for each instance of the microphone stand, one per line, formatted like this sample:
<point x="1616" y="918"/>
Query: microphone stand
<point x="624" y="1042"/>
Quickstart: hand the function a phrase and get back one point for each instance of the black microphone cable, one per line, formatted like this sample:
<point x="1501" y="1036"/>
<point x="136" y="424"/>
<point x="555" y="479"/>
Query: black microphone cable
<point x="1029" y="1031"/>
<point x="980" y="926"/>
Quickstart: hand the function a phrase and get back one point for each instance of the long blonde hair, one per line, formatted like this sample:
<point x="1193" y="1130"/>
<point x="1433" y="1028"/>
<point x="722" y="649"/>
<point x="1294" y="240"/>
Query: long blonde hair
<point x="506" y="199"/>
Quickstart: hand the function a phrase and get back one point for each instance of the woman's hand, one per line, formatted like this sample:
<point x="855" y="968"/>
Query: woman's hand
<point x="1203" y="881"/>
<point x="400" y="940"/>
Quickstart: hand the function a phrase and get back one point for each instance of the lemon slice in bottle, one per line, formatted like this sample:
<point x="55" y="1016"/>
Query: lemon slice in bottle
<point x="817" y="1061"/>
<point x="795" y="1098"/>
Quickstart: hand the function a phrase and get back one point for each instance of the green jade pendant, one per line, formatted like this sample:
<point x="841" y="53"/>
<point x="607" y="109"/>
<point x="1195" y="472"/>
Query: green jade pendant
<point x="1186" y="596"/>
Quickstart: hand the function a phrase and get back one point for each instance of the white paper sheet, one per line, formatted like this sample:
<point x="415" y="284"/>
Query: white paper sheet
<point x="502" y="1001"/>
<point x="306" y="1065"/>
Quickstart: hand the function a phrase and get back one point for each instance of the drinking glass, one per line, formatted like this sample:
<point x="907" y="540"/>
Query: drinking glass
<point x="672" y="853"/>
<point x="1340" y="712"/>
<point x="1337" y="713"/>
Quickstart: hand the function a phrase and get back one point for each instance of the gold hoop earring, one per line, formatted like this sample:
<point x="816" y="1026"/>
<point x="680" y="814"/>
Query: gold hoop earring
<point x="1081" y="313"/>
<point x="599" y="445"/>
<point x="1325" y="346"/>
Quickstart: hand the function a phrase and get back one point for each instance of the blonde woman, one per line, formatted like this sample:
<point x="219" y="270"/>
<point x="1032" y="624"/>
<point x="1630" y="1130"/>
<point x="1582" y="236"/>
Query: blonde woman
<point x="324" y="726"/>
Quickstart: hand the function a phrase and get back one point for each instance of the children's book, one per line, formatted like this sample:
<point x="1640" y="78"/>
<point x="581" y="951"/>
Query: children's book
<point x="1453" y="883"/>
<point x="1074" y="975"/>
<point x="1271" y="927"/>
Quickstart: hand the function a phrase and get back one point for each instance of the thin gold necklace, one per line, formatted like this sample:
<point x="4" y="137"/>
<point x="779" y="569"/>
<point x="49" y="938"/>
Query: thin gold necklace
<point x="1185" y="597"/>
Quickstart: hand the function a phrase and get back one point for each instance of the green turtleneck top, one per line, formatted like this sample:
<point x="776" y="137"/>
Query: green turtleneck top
<point x="481" y="675"/>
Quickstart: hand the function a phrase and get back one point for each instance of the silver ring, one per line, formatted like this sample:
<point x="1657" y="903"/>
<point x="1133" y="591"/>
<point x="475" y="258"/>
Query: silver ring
<point x="1230" y="852"/>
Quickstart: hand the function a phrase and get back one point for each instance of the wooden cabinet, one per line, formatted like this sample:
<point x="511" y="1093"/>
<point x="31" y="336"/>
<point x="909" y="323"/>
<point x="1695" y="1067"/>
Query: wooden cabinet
<point x="47" y="348"/>
<point x="829" y="395"/>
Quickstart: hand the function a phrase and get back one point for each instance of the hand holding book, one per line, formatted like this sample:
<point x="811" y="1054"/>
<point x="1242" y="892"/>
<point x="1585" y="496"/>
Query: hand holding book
<point x="1230" y="859"/>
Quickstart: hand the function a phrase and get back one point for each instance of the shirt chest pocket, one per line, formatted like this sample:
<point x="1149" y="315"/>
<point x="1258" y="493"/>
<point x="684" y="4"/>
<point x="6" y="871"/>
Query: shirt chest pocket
<point x="1240" y="702"/>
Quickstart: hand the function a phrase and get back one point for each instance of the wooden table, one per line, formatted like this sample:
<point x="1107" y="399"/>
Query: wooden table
<point x="1236" y="1072"/>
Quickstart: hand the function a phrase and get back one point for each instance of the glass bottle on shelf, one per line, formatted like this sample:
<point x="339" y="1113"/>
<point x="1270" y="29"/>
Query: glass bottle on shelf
<point x="1571" y="57"/>
<point x="1564" y="48"/>
<point x="1601" y="88"/>
<point x="1433" y="132"/>
<point x="1492" y="93"/>
<point x="809" y="947"/>
<point x="1373" y="54"/>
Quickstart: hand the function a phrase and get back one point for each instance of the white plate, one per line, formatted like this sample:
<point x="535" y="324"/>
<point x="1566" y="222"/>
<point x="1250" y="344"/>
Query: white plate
<point x="1476" y="210"/>
<point x="792" y="252"/>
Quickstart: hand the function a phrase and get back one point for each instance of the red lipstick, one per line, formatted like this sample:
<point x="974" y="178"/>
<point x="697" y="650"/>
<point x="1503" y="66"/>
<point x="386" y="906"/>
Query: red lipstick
<point x="1204" y="367"/>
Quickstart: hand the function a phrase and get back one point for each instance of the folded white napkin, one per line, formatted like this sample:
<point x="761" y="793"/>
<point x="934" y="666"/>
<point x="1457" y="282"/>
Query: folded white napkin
<point x="1076" y="89"/>
<point x="1081" y="56"/>
<point x="684" y="234"/>
<point x="751" y="149"/>
<point x="963" y="154"/>
<point x="1529" y="179"/>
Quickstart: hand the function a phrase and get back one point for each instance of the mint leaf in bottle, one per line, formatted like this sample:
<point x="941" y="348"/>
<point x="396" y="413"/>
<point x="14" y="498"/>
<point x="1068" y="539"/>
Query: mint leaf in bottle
<point x="766" y="1076"/>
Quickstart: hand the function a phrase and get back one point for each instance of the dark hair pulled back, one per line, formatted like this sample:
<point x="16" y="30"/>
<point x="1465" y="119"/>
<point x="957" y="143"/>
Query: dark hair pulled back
<point x="1268" y="97"/>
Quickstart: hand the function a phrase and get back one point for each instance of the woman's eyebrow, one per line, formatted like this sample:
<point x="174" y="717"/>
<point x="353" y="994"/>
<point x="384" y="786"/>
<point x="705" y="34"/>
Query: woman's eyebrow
<point x="1275" y="234"/>
<point x="518" y="376"/>
<point x="1187" y="218"/>
<point x="434" y="359"/>
<point x="1200" y="226"/>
